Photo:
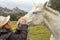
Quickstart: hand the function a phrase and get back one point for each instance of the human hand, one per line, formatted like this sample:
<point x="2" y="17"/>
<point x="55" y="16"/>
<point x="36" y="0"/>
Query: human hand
<point x="22" y="20"/>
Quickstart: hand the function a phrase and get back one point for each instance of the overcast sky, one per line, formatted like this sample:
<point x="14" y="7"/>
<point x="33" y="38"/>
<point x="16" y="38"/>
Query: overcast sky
<point x="22" y="4"/>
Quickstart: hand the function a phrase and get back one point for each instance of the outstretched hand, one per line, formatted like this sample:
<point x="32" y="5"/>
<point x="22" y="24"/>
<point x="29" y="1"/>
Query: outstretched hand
<point x="22" y="20"/>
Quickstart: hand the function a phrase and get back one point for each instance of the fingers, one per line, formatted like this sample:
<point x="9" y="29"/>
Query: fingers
<point x="22" y="20"/>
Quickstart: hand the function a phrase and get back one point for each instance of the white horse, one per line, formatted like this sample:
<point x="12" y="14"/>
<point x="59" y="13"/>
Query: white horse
<point x="41" y="13"/>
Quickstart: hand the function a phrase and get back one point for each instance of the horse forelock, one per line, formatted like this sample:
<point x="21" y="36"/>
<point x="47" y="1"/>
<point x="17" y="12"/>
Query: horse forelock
<point x="38" y="6"/>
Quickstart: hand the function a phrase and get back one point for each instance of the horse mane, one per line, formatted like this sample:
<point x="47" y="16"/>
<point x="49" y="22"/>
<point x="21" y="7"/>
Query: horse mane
<point x="51" y="10"/>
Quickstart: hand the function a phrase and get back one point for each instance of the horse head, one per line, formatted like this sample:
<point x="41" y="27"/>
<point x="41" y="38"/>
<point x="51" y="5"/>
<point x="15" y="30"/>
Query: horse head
<point x="35" y="15"/>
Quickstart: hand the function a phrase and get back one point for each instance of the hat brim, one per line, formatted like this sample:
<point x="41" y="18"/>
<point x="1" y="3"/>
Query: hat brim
<point x="7" y="19"/>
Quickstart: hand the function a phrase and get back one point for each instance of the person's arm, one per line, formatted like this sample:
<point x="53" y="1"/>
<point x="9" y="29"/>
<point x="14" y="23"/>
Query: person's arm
<point x="21" y="27"/>
<point x="21" y="31"/>
<point x="20" y="34"/>
<point x="21" y="23"/>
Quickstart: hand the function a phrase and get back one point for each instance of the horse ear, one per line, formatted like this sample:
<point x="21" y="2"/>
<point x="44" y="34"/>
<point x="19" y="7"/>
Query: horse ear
<point x="45" y="4"/>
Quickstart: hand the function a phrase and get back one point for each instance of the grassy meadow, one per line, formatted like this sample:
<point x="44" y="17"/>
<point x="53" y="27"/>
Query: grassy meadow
<point x="35" y="32"/>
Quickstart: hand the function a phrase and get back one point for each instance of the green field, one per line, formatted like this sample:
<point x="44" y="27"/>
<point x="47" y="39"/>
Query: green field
<point x="35" y="32"/>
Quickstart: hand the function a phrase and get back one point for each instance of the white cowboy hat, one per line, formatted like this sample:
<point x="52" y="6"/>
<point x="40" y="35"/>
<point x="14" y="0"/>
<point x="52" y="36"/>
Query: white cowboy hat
<point x="4" y="20"/>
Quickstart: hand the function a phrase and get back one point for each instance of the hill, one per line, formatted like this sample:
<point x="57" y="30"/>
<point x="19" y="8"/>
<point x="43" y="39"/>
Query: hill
<point x="11" y="11"/>
<point x="15" y="13"/>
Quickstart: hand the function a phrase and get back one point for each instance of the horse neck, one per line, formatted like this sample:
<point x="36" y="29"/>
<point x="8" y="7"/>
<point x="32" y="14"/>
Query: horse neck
<point x="48" y="19"/>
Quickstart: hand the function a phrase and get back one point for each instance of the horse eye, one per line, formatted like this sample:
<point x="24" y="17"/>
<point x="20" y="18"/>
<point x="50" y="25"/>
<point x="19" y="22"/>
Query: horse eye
<point x="34" y="12"/>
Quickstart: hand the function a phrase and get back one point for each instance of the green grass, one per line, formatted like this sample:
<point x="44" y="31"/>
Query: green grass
<point x="36" y="32"/>
<point x="14" y="25"/>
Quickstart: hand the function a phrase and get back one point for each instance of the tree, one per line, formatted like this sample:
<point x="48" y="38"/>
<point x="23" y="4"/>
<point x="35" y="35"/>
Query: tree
<point x="55" y="4"/>
<point x="16" y="16"/>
